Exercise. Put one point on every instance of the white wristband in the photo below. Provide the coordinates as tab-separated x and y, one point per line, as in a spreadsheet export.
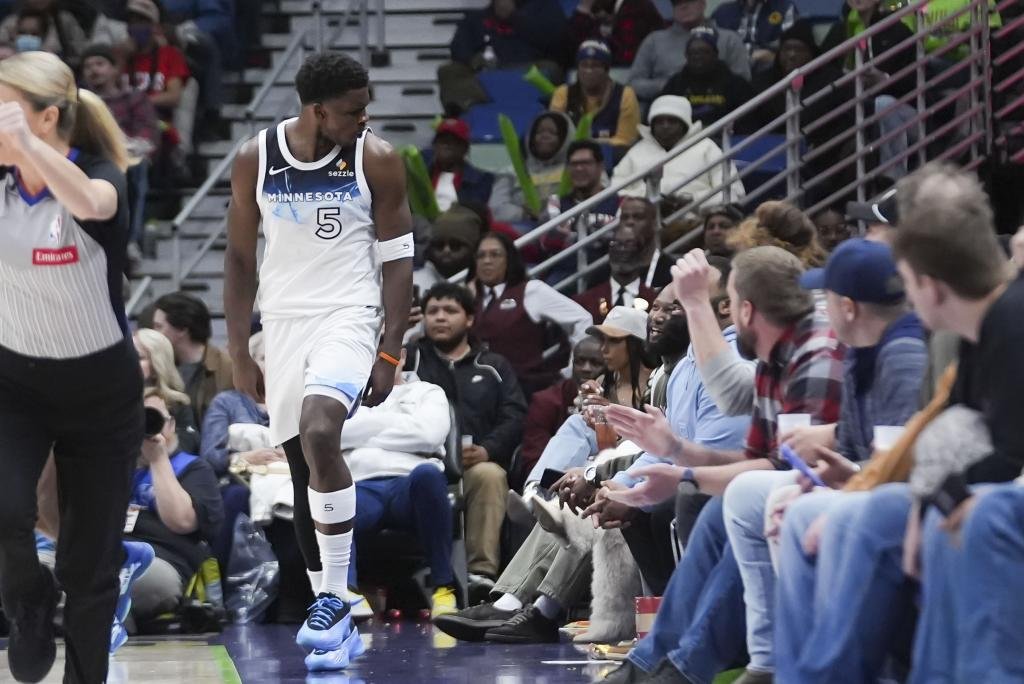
400	247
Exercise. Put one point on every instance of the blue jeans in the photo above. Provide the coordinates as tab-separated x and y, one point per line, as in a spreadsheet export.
970	626
416	502
570	447
137	177
859	593
700	625
743	511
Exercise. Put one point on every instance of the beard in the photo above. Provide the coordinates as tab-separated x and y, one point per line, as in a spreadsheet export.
674	338
746	343
449	345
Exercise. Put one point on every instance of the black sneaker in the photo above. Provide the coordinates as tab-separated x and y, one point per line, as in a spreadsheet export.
470	624
666	673
529	626
627	673
31	649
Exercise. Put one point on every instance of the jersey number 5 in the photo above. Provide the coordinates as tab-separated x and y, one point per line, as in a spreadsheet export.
330	224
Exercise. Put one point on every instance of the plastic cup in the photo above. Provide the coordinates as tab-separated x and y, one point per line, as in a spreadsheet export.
467	441
790	421
886	436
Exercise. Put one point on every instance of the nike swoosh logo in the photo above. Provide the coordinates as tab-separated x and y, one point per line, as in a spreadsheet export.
274	172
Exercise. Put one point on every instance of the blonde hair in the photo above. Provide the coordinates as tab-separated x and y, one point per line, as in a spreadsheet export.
84	121
166	378
780	224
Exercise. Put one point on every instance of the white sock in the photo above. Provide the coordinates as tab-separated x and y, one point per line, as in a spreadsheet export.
508	602
316	578
548	607
335	550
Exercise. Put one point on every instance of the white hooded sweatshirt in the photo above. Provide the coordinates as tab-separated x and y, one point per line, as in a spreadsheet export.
648	150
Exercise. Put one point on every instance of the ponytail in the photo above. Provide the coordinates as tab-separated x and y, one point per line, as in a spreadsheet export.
96	131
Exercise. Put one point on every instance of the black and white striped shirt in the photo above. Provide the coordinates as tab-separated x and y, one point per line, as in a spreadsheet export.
60	277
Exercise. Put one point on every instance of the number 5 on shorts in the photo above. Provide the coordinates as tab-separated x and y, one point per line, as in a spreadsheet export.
330	224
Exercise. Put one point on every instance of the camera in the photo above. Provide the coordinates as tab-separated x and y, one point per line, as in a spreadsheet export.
154	422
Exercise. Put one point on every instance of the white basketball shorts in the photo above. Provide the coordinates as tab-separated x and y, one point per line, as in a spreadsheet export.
329	355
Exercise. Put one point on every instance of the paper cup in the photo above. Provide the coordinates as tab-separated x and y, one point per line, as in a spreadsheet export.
646	611
789	421
467	441
886	436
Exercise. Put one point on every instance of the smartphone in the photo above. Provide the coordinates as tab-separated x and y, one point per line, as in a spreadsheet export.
951	494
799	464
550	477
415	295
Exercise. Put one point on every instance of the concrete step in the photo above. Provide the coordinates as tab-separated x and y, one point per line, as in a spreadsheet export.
300	7
401	30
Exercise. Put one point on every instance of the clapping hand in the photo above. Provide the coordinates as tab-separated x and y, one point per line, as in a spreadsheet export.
15	135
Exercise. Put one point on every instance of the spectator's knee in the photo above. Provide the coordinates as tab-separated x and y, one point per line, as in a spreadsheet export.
487	475
427	478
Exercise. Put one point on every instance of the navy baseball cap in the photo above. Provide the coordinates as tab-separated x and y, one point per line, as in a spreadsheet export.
860	269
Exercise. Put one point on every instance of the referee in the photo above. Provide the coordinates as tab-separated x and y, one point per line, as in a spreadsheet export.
69	375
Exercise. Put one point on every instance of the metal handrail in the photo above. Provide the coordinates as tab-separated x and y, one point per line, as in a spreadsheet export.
791	84
137	294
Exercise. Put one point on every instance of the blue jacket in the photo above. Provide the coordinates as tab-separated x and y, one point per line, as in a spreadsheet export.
213	17
475	185
761	28
882	385
227	409
537	30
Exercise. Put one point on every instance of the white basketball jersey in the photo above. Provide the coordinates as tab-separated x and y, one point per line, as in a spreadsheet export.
321	251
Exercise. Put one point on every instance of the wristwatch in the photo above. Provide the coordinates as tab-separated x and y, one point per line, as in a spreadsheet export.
590	475
688	476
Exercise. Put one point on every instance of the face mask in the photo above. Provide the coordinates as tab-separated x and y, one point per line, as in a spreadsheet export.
28	43
141	35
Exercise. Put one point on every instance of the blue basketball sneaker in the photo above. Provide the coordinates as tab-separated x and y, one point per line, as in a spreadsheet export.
328	625
118	636
338	659
138	556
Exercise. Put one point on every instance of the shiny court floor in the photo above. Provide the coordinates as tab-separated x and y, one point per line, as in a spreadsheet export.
404	652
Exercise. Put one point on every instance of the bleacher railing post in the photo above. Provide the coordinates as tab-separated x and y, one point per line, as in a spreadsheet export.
318	26
985	45
793	136
364	33
858	89
581	256
726	165
922	60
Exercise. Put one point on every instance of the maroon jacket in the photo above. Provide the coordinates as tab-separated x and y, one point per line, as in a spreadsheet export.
548	410
634	20
598	299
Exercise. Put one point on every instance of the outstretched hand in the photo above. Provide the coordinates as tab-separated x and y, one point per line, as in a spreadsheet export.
660	482
648	429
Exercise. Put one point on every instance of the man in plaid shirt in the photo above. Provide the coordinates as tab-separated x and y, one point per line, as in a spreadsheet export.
700	627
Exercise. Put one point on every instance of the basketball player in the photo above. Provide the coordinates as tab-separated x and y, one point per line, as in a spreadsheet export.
331	196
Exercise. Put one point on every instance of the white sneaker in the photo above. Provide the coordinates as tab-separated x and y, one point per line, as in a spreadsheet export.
520	509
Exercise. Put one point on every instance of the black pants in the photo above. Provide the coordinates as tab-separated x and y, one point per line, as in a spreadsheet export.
305	532
89	411
649	540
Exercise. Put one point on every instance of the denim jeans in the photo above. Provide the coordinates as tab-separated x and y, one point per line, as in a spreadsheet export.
417	502
743	511
570	447
836	624
970	626
700	625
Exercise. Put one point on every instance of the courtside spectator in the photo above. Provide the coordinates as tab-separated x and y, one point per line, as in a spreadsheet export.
711	88
490	407
832	226
672	122
621	24
177	508
586	173
663	53
720	223
455	179
393	452
453	237
507	34
156	358
136	116
544	154
759	23
613	106
513	312
205	368
629	263
781	224
549	408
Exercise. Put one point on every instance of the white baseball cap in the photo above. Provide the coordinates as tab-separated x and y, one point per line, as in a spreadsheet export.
622	321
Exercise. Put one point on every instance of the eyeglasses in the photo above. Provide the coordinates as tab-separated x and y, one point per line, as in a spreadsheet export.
452	244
